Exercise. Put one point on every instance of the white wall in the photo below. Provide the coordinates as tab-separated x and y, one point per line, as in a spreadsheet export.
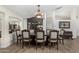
5	40
44	23
53	23
77	26
49	20
73	22
24	23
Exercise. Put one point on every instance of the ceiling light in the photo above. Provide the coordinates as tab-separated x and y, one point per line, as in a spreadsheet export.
38	14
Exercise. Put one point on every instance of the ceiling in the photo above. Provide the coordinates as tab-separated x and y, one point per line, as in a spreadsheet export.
29	10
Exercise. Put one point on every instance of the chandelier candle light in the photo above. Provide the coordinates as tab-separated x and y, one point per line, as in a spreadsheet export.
39	14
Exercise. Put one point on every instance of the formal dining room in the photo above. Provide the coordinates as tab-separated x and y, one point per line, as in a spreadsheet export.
39	28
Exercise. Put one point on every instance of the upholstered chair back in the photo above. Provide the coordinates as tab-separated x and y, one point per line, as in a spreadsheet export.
48	30
61	32
40	34
18	32
53	34
25	34
31	32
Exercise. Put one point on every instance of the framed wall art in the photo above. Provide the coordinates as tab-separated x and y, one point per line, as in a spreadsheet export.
64	24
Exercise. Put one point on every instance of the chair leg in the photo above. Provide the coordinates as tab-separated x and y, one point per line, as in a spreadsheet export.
20	41
36	45
53	44
71	38
22	44
59	41
43	45
50	46
63	41
29	44
57	46
17	41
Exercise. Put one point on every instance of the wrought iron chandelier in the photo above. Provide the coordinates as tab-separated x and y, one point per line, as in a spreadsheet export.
39	14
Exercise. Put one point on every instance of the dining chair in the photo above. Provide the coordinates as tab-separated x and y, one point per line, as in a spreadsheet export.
40	38
26	37
32	32
18	36
53	37
61	35
47	31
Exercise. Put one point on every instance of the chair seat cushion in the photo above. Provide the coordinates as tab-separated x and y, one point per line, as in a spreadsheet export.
59	37
52	40
26	40
40	41
19	37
